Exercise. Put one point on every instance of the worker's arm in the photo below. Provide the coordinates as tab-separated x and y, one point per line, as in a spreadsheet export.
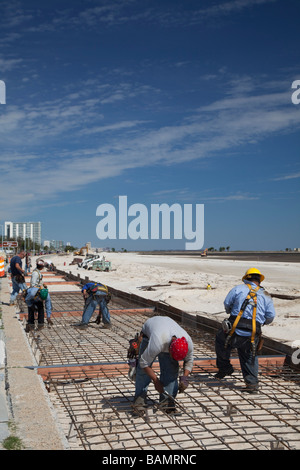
157	383
84	293
19	268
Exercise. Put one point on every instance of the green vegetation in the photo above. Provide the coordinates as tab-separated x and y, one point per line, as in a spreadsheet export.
12	442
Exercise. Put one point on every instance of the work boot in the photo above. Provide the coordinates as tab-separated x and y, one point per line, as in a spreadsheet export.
224	372
106	326
167	405
139	406
251	388
80	325
172	411
29	327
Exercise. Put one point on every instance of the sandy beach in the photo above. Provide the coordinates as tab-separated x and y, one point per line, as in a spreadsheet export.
181	281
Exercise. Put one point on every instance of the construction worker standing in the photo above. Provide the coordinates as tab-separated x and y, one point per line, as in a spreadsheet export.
162	337
249	307
17	276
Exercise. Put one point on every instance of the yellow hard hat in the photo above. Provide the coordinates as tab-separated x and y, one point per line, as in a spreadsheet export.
253	271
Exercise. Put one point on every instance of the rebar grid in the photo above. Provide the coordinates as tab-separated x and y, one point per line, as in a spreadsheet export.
63	343
95	406
213	415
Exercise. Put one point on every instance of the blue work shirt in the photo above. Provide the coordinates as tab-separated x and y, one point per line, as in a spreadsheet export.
265	312
92	284
29	299
15	260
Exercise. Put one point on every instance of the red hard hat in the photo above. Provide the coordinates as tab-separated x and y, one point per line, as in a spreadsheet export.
179	348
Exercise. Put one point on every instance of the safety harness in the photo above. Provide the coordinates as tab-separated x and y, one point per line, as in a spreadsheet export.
97	287
251	298
37	293
40	277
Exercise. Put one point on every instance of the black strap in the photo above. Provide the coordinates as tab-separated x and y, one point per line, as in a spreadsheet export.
245	324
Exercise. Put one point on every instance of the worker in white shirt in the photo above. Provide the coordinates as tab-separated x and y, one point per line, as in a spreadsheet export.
163	338
36	281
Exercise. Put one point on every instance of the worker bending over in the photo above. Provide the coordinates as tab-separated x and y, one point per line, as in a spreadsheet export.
95	294
35	298
36	281
163	338
36	276
250	307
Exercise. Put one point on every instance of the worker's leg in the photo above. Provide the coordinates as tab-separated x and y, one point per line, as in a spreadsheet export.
30	319
104	309
169	369
223	354
41	313
89	309
249	364
142	380
16	286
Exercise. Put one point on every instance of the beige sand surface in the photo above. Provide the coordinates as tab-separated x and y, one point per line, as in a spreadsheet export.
181	281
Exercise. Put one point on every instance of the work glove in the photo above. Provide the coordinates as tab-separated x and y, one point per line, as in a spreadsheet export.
183	383
132	369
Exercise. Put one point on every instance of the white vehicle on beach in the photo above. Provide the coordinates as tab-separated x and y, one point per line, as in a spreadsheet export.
87	263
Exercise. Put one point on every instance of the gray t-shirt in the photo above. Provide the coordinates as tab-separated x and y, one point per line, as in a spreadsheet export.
159	331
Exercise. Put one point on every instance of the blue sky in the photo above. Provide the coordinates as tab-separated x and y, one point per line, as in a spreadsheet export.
175	102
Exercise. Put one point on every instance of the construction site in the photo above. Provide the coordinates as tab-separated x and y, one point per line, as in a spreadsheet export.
83	377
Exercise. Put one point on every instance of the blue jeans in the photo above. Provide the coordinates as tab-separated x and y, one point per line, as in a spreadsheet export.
16	286
169	369
249	364
92	303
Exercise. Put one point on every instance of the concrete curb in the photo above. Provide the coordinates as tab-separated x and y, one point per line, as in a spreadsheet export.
4	407
27	404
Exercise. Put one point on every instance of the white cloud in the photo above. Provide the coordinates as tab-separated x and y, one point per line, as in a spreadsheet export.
287	177
6	64
112	127
102	151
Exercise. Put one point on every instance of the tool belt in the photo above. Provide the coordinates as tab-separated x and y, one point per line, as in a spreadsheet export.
20	279
245	324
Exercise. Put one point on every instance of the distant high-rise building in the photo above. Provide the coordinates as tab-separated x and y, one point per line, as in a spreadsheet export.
57	244
31	230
